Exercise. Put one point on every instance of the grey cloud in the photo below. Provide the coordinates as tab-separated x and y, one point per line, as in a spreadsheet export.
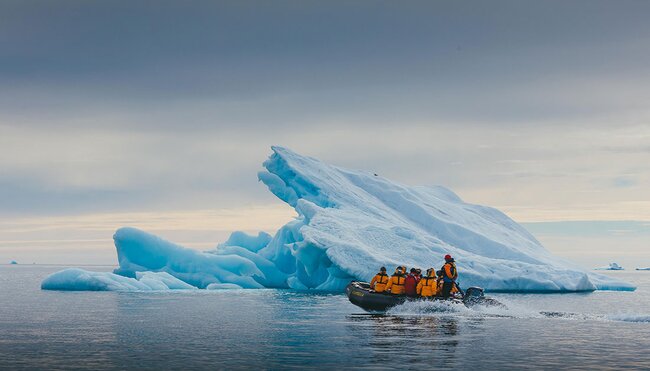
629	149
154	171
242	63
589	228
176	104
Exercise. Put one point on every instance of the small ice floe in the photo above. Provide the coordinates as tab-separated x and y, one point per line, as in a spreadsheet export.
611	267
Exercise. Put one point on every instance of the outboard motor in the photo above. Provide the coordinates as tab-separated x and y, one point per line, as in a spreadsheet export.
473	295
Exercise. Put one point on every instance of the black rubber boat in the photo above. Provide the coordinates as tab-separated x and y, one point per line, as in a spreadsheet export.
362	296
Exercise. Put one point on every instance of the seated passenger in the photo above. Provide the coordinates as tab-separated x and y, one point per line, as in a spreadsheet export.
428	286
440	284
418	274
439	274
396	282
410	283
379	281
454	290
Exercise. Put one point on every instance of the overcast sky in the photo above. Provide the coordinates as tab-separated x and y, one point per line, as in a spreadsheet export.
537	108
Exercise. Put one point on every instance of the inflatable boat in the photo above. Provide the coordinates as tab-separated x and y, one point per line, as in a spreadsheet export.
361	295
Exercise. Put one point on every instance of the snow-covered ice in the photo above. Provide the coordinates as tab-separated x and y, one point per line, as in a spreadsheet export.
349	223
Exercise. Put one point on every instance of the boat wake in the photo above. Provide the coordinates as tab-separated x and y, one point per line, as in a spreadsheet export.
630	318
442	308
510	311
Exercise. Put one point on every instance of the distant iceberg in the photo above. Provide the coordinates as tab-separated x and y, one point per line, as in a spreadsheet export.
643	269
611	267
13	262
349	223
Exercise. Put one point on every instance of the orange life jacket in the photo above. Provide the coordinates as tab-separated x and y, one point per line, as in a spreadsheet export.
379	282
428	286
449	271
454	289
396	284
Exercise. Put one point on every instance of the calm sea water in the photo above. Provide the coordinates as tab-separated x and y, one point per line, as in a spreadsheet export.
277	329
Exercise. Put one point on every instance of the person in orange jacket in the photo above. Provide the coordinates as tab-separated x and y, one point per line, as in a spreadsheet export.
396	282
440	283
428	285
380	280
449	276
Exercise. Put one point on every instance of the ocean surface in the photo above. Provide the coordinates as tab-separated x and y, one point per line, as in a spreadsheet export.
280	329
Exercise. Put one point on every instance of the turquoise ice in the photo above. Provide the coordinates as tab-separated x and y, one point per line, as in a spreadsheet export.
349	223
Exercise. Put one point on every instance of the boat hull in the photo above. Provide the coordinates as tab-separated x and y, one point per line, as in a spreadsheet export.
360	294
369	300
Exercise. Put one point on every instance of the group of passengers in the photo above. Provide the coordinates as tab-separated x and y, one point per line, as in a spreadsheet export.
440	283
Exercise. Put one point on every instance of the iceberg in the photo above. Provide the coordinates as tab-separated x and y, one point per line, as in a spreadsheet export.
610	267
74	279
643	269
349	223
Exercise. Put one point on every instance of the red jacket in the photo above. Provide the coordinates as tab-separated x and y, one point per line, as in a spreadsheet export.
410	284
